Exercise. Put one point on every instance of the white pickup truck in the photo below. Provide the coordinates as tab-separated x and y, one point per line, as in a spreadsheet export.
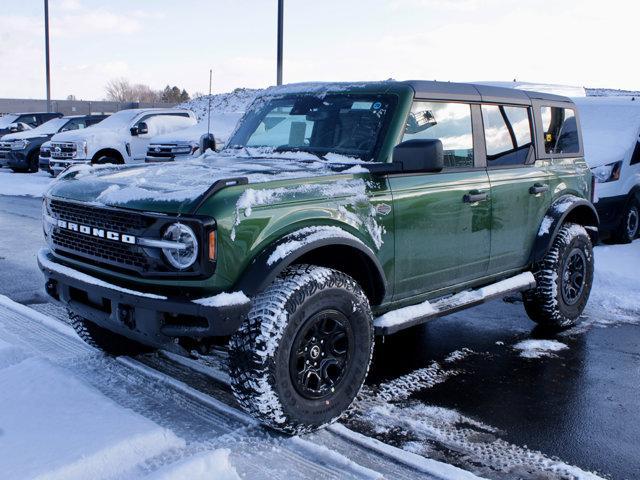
121	138
193	141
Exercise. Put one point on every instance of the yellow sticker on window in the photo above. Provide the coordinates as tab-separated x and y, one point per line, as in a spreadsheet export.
548	137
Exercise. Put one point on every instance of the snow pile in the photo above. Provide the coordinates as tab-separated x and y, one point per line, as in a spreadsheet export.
539	348
20	184
610	128
223	300
205	466
236	101
616	286
55	427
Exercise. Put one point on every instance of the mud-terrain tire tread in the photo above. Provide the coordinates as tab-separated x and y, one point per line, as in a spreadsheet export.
544	304
253	348
103	339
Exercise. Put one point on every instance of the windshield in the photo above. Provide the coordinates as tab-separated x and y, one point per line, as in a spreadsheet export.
7	120
50	127
342	124
119	119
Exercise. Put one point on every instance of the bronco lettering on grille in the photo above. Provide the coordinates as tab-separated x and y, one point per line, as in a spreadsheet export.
97	232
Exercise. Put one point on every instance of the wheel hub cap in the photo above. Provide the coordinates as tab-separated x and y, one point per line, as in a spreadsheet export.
574	276
632	223
320	354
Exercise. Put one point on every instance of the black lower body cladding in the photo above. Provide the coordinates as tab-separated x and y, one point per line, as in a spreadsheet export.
150	319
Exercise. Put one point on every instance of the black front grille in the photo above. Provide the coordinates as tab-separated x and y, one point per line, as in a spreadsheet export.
119	221
76	244
163	151
117	255
127	256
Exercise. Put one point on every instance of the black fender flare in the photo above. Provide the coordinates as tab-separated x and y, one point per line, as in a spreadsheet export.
567	208
268	264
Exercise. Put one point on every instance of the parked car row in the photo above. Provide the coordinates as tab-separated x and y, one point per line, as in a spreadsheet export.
52	143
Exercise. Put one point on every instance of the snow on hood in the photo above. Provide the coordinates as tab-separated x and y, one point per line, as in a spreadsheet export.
188	180
610	128
91	134
221	126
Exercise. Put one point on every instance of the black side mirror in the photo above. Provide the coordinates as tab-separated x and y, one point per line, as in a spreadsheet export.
143	128
16	127
134	131
419	155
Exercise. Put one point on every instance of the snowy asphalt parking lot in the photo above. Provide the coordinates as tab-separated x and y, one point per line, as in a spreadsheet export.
480	391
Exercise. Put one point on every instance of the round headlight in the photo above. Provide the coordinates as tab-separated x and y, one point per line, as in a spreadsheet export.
185	252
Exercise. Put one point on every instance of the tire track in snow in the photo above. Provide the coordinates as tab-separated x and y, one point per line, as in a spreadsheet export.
205	422
387	413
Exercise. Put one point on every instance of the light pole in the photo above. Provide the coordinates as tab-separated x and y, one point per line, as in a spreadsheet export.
46	46
280	28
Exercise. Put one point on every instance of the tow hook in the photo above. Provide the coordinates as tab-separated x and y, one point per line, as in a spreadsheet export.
126	316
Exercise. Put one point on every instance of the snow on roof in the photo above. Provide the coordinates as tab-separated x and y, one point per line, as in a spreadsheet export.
564	90
610	128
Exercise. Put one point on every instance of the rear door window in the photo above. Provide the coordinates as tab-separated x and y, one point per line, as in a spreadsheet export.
448	122
560	130
30	120
507	133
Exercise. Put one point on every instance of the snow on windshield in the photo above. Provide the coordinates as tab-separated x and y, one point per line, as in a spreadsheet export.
119	119
316	118
52	126
162	124
6	120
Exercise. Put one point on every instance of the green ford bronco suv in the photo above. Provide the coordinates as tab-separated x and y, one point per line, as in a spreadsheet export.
336	212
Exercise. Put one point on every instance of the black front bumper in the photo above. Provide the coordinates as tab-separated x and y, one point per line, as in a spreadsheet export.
150	319
17	160
610	211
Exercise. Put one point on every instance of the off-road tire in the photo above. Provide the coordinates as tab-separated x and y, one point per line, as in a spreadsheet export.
546	304
629	226
260	351
103	339
33	162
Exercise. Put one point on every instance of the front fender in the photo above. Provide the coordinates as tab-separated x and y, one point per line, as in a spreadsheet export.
272	260
567	208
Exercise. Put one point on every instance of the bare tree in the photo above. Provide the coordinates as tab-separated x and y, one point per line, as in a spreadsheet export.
119	90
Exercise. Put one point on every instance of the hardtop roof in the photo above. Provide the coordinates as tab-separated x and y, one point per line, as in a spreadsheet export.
427	89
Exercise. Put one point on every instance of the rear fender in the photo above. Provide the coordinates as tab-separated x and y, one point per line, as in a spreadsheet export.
567	208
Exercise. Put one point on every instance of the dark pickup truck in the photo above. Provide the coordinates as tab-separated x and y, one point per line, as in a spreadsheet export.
22	149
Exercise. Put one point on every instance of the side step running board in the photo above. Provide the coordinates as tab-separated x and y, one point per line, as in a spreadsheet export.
406	317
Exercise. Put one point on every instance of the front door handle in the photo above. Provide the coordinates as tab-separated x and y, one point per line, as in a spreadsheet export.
475	196
538	188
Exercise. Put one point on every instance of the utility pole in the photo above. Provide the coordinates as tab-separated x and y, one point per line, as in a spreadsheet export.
280	28
46	46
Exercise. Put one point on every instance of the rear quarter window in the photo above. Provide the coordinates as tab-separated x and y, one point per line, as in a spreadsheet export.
560	130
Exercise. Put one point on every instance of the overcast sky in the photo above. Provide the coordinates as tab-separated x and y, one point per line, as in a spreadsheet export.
158	42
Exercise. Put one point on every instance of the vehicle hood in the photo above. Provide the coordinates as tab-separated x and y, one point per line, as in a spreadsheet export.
610	128
178	187
89	135
27	134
